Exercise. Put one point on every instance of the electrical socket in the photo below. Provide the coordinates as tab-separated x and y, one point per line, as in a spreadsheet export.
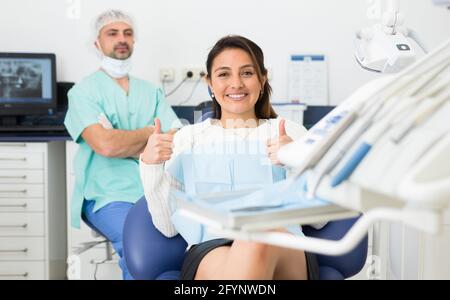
167	74
197	73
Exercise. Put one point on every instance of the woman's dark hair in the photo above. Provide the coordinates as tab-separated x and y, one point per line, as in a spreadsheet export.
263	108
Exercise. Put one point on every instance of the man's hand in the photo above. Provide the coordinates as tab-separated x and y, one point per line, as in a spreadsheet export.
159	146
274	144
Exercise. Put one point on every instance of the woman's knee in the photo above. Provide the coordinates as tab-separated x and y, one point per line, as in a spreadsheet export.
255	251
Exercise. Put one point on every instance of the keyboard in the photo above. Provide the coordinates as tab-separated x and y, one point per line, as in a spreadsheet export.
37	128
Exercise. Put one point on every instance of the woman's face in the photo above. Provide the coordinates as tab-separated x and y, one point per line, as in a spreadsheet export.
235	84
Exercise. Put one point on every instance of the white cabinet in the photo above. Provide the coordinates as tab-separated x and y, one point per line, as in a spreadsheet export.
32	211
92	263
414	255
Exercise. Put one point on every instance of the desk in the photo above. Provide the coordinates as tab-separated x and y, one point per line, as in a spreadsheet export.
27	138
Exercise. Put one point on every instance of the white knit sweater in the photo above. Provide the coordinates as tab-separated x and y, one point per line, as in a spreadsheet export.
157	182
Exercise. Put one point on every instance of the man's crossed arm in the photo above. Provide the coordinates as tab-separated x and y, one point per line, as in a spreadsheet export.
116	143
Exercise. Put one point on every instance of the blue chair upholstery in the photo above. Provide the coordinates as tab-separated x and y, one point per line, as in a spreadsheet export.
342	266
209	114
206	109
150	255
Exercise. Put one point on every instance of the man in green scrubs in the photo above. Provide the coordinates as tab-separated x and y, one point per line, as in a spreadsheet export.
110	116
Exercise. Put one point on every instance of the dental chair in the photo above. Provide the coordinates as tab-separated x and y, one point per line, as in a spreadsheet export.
149	255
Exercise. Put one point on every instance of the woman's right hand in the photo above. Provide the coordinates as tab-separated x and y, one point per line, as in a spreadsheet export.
159	146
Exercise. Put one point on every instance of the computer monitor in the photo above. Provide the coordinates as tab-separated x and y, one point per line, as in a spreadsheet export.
27	85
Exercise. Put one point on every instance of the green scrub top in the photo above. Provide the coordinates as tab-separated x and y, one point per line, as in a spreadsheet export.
99	178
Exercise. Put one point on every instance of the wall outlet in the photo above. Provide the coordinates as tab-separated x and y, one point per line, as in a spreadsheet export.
197	73
167	75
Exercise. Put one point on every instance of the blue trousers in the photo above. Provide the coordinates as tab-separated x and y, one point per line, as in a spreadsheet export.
109	221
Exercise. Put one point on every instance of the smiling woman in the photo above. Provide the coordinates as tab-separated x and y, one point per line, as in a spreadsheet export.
238	79
235	84
235	151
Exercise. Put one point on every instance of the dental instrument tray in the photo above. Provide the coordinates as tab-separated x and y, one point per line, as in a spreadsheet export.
280	204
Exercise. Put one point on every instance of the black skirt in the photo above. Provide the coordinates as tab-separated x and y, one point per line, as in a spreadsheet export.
197	252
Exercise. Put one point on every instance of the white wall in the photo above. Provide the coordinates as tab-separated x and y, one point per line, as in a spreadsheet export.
179	33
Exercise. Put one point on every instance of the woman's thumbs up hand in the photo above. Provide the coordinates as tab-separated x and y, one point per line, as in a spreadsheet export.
159	146
274	144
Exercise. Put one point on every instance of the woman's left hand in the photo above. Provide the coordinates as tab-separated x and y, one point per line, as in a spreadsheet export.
274	144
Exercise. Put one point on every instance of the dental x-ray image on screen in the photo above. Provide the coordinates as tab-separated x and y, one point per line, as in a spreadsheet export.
27	83
20	79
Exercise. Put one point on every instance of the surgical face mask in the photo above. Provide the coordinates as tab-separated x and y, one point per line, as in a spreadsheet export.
116	68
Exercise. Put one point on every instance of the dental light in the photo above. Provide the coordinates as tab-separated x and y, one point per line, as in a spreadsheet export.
386	46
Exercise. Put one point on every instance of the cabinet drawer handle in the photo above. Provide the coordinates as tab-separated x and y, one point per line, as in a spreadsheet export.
14	205
19	192
14	251
15	275
13	159
14	226
14	177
